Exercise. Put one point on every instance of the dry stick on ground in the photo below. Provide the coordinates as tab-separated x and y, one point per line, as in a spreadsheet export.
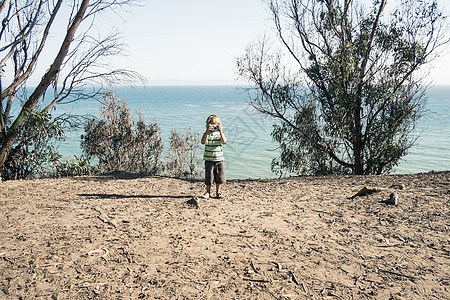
294	279
256	280
365	191
7	259
399	274
304	288
253	266
105	218
357	279
321	211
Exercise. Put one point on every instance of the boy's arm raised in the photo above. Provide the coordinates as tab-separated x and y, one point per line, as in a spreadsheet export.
205	135
222	136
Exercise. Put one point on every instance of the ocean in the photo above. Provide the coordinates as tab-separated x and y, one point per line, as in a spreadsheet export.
250	149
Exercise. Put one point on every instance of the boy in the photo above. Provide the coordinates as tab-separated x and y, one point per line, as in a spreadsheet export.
213	139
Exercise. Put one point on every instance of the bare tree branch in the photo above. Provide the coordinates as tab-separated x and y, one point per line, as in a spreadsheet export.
77	67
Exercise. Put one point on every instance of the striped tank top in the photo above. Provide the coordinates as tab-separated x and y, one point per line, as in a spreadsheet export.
213	147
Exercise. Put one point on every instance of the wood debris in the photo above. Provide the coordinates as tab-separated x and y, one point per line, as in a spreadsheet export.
105	218
365	191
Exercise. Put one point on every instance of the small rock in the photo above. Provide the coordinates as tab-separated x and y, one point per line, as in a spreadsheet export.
393	199
193	202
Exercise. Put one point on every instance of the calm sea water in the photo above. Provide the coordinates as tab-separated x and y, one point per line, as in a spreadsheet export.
250	150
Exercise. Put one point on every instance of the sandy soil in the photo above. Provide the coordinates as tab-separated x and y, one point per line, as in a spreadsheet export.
122	237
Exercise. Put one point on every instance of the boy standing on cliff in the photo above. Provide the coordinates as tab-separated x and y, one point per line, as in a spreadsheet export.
213	139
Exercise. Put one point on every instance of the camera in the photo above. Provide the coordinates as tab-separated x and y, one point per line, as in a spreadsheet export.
214	127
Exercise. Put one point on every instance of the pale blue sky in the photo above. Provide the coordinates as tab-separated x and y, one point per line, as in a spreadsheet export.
191	42
197	41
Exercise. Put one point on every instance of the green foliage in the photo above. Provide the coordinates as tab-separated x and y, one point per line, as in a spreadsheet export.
121	144
351	105
300	145
33	154
77	166
183	155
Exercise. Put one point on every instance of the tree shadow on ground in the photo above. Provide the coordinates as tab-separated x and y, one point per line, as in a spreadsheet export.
129	176
119	196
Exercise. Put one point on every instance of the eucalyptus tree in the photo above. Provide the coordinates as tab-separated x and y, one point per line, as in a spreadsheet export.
346	83
64	35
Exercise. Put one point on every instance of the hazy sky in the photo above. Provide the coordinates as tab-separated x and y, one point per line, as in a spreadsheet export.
197	41
192	41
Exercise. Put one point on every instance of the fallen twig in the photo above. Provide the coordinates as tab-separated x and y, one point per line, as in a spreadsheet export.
253	266
357	279
303	246
399	274
365	191
240	233
305	289
256	280
321	211
390	245
294	279
3	255
105	218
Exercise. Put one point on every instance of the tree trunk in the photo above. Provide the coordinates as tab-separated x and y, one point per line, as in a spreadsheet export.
357	142
358	164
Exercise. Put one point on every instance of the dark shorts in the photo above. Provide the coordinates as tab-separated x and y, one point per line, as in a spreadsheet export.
214	172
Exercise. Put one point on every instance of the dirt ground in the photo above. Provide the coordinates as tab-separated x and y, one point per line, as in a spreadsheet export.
125	237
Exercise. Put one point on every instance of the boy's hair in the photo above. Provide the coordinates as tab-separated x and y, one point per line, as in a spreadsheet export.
213	119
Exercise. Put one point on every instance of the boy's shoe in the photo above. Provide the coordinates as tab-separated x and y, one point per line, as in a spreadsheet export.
219	196
206	195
